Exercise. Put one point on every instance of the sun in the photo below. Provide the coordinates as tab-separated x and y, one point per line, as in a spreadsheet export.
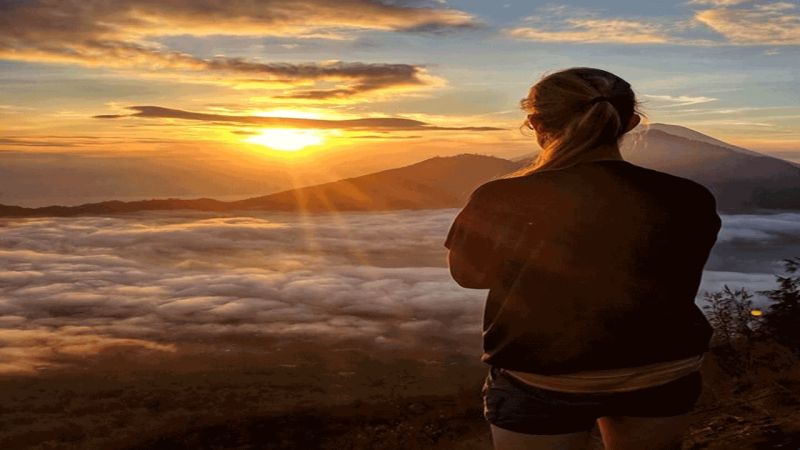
287	139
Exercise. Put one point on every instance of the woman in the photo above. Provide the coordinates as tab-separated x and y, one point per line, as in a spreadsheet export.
592	265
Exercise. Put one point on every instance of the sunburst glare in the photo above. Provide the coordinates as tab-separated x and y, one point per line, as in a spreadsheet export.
287	139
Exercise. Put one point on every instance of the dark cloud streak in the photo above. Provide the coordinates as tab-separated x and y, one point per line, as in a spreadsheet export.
381	123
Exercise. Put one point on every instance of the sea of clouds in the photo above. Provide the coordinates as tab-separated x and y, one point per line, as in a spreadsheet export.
73	287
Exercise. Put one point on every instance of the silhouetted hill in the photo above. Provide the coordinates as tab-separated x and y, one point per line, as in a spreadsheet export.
115	207
742	180
440	182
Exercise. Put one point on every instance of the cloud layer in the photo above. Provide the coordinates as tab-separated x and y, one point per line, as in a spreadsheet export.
76	287
122	34
594	30
732	22
772	23
751	228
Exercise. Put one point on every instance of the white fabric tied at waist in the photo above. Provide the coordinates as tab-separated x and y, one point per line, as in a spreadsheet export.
612	380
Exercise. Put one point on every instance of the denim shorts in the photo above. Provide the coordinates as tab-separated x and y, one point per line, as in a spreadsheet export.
514	405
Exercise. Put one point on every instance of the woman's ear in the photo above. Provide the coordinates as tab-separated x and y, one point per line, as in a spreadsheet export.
635	119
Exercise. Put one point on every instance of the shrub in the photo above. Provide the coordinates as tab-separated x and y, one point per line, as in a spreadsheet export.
747	339
782	321
736	325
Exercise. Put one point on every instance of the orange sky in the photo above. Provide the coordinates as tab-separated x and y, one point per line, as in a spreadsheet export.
330	89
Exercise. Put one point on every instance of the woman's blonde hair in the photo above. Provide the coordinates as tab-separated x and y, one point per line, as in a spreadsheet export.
574	111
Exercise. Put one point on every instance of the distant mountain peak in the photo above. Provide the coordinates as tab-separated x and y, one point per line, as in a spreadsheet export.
688	133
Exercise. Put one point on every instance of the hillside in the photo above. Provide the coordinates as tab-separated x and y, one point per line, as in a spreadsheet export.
440	182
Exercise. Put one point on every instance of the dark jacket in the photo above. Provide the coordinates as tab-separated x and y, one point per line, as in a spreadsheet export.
595	266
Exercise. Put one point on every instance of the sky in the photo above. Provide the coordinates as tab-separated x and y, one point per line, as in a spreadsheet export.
356	85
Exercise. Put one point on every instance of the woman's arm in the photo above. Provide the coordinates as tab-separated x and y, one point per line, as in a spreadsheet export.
475	255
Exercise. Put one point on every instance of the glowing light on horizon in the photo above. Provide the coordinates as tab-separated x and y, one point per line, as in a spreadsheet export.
287	139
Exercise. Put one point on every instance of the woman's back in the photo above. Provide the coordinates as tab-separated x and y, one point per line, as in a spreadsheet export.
594	266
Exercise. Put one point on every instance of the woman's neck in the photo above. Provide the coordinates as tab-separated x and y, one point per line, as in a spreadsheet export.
610	151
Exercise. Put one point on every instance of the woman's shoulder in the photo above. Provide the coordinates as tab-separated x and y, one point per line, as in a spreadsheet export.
686	185
510	190
497	188
687	192
507	189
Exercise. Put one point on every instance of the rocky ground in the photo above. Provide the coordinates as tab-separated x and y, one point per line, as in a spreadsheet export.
374	404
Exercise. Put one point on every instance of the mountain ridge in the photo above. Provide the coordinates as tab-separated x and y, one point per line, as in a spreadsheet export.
742	181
